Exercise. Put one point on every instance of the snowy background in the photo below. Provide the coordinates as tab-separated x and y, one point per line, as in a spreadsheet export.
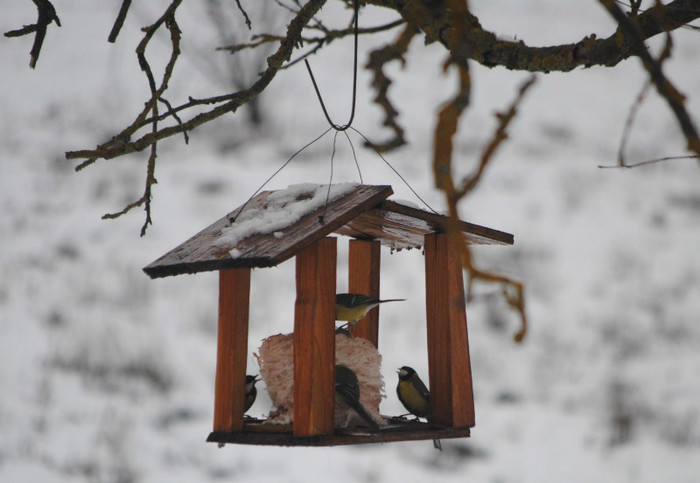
108	376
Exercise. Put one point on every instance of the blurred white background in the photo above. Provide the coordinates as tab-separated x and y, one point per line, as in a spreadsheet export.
108	376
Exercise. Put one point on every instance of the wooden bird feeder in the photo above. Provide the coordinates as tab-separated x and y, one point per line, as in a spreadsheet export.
363	213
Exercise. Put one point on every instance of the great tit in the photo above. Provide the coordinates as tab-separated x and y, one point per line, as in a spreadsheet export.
412	393
352	307
414	396
250	392
347	392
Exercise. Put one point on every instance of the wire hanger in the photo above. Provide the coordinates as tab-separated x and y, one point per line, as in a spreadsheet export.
344	127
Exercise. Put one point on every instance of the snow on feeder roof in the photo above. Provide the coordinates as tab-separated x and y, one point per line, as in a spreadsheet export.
277	225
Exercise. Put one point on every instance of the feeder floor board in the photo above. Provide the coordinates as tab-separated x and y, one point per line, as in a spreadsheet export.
399	429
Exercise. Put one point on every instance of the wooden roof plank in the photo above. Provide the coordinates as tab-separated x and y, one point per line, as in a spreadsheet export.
363	213
205	251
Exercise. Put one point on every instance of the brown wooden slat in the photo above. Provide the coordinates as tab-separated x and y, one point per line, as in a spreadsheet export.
314	339
364	259
476	234
451	392
202	253
232	349
399	226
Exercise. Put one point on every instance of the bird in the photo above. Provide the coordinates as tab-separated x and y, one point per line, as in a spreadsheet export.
347	392
250	392
414	396
412	393
351	307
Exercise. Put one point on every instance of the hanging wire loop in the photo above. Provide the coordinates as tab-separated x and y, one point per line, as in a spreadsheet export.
335	126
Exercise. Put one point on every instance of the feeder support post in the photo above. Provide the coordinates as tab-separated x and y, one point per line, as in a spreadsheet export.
451	391
364	260
232	349
314	339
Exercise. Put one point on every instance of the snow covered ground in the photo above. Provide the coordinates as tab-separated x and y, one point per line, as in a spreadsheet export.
107	376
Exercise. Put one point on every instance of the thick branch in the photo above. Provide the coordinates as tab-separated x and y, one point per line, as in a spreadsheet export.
486	48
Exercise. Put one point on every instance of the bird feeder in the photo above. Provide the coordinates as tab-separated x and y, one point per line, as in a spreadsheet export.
303	218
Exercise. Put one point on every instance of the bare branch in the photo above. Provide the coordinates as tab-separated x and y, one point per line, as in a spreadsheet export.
635	36
121	144
245	15
630	121
499	136
380	82
119	22
648	162
448	119
46	15
476	43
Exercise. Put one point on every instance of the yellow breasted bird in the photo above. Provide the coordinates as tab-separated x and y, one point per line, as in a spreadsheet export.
347	392
412	393
414	396
351	307
250	392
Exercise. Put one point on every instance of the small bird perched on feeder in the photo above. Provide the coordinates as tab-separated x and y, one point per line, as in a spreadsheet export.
351	307
347	392
414	396
250	392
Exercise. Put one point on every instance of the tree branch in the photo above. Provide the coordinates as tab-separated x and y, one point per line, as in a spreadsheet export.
634	33
119	22
485	47
46	15
120	144
380	82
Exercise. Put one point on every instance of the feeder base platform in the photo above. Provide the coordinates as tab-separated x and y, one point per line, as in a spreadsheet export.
256	431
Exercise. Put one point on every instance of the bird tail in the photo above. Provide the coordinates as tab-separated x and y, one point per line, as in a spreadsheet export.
359	409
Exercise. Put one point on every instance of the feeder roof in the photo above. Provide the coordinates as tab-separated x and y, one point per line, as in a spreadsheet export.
276	225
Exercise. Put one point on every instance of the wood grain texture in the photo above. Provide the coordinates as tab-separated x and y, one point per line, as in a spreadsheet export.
403	227
276	435
364	260
451	391
232	349
205	252
364	213
314	339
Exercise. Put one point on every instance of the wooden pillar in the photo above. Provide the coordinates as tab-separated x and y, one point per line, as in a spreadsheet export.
232	349
364	259
451	392
314	339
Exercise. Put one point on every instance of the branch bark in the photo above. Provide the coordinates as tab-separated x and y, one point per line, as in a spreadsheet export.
46	15
484	47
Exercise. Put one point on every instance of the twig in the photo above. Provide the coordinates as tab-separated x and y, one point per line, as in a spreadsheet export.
665	88
648	162
629	122
380	82
499	136
122	144
119	22
513	290
245	15
46	15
